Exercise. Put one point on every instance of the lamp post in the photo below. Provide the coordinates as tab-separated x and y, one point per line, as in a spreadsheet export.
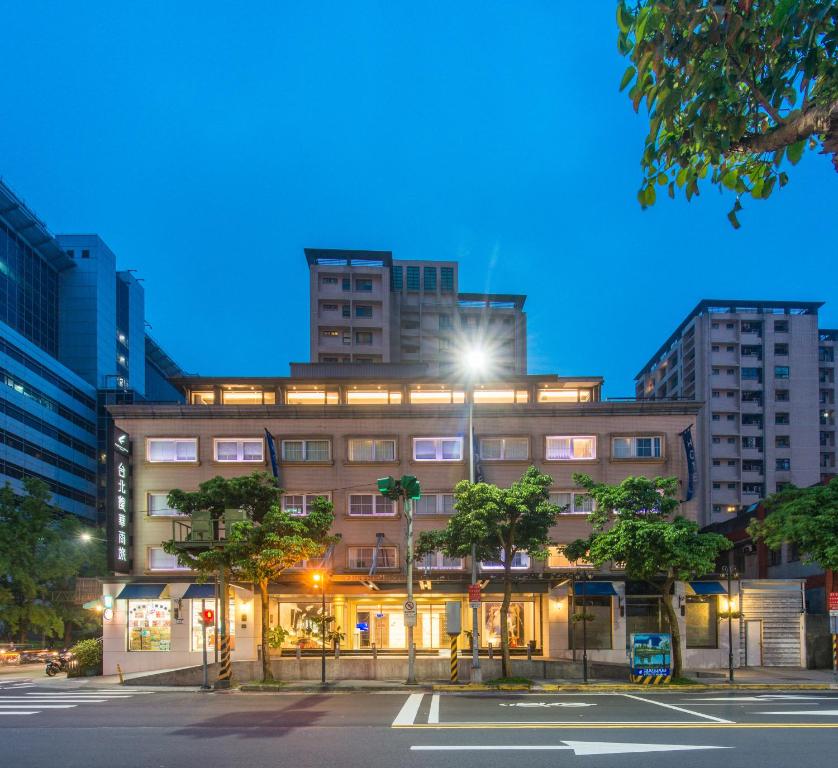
586	577
319	580
730	572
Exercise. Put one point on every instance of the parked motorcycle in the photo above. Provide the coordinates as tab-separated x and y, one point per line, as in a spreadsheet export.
61	664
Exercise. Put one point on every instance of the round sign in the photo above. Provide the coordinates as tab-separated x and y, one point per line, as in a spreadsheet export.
409	605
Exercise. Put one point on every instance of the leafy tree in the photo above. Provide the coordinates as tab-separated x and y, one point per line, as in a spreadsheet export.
40	555
807	517
258	549
501	522
631	524
732	88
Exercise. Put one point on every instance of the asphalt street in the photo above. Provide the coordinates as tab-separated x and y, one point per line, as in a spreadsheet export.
78	723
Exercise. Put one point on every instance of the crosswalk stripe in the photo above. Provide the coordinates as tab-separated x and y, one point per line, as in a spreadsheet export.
40	706
18	713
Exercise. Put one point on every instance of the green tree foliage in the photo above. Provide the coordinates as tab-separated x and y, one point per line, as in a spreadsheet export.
732	88
260	548
807	517
40	555
501	522
634	523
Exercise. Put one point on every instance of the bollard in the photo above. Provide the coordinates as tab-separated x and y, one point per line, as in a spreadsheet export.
529	652
299	653
491	651
454	671
119	672
337	652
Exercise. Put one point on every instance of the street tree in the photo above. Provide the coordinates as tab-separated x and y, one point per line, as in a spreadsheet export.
500	522
635	523
40	556
733	88
807	517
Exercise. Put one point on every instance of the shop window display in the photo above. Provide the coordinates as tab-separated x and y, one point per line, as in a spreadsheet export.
197	631
521	624
149	625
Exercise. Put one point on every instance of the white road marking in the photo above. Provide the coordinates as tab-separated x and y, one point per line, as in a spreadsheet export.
37	700
677	709
578	747
408	712
433	714
815	712
18	713
39	706
766	697
547	704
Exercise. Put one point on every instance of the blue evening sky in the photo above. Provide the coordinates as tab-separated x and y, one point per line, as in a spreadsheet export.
208	143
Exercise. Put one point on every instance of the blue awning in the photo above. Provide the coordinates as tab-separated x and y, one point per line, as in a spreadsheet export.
594	588
707	588
200	592
141	592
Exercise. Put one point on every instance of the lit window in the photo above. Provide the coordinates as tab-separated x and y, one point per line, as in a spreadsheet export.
203	398
571	448
636	447
439	561
300	503
438	448
306	450
158	505
242	397
435	504
504	448
373	397
564	395
361	558
370	505
149	625
372	449
310	397
520	562
558	559
172	450
158	560
573	502
239	450
436	397
781	371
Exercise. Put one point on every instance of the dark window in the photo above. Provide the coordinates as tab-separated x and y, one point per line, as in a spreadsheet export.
752	374
446	279
444	322
781	326
396	279
782	441
781	372
413	278
430	278
774	557
346	310
85	253
363	310
781	349
363	284
781	395
783	465
792	553
826	354
346	284
781	418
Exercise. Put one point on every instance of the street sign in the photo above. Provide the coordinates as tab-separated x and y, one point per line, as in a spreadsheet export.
474	595
833	601
409	613
651	656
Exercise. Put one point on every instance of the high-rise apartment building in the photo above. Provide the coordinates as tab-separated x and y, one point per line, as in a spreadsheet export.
72	340
761	370
367	307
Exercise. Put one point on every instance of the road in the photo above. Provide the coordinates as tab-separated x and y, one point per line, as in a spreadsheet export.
77	723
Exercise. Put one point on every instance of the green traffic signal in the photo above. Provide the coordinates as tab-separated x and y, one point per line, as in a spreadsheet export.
386	485
410	485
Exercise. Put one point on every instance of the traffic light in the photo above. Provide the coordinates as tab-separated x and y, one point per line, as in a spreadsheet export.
208	617
389	487
410	486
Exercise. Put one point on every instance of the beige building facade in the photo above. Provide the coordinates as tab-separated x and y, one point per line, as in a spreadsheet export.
334	438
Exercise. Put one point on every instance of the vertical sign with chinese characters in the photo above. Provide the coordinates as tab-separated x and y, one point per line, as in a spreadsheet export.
119	502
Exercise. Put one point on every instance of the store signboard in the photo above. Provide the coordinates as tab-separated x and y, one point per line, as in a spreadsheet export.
119	501
833	601
651	654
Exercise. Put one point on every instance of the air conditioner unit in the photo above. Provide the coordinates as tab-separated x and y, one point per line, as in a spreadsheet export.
749	549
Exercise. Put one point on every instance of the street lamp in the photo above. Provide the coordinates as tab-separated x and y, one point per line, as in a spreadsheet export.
586	577
730	612
86	537
318	579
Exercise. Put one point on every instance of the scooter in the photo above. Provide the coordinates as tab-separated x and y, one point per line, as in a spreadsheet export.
61	664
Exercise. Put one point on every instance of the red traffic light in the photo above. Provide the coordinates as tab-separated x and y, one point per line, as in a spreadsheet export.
208	617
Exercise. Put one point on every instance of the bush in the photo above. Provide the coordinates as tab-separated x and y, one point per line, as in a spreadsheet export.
88	654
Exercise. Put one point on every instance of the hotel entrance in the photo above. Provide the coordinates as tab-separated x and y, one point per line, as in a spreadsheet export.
383	626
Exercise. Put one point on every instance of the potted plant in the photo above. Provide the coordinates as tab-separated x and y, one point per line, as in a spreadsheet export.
335	637
276	637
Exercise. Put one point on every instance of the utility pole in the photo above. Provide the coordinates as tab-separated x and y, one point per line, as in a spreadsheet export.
411	648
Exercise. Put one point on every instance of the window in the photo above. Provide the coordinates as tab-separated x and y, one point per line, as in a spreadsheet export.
781	418
435	504
430	278
445	322
714	348
570	448
239	450
172	450
372	449
792	553
300	503
782	441
730	348
731	441
481	396
363	284
363	337
328	281
330	307
346	310
329	333
716	371
781	395
438	448
310	397
158	560
716	417
751	489
783	465
361	558
504	448
306	450
363	310
702	621
203	398
729	326
346	283
752	420
520	562
436	397
370	504
781	372
413	278
781	350
752	374
158	505
781	326
574	502
373	397
446	279
149	625
558	559
396	278
752	443
716	393
717	440
636	447
439	561
197	627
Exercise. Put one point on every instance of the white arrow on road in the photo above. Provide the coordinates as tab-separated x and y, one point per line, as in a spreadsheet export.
578	747
547	704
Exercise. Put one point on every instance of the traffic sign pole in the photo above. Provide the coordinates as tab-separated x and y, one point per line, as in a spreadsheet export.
411	650
205	686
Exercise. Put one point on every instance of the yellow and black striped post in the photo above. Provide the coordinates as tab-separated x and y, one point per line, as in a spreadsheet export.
225	667
835	655
651	679
454	671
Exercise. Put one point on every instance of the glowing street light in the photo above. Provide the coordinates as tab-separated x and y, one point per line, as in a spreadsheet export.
318	580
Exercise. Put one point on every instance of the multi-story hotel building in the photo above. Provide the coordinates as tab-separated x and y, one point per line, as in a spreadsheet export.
334	437
766	378
367	307
72	339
